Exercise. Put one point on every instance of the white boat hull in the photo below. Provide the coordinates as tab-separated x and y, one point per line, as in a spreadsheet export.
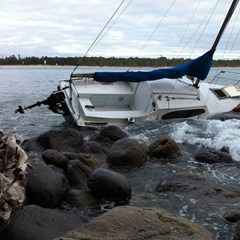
92	103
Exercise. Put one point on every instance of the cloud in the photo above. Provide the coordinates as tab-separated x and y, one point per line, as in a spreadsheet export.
68	28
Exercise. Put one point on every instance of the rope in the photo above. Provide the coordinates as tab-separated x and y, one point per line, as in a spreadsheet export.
98	35
234	25
113	23
157	26
225	23
183	35
207	16
210	16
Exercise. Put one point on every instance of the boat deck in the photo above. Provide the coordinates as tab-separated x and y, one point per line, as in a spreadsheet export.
112	112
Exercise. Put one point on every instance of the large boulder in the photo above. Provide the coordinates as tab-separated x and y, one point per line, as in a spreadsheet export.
109	184
78	173
165	147
127	152
35	223
61	140
213	156
128	222
112	133
53	157
45	186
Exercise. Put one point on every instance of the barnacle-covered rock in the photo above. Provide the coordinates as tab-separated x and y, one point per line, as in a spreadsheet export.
13	165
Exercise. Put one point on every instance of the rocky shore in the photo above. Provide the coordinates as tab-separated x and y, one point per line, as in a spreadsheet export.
81	185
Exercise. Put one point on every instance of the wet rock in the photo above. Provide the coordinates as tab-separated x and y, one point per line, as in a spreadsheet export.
237	231
164	146
33	222
128	222
65	140
212	156
127	152
93	147
45	186
71	155
81	198
109	184
226	116
53	157
232	216
89	160
201	187
113	133
78	173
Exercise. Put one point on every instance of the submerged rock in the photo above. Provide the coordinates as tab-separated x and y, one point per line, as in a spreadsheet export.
81	199
226	116
213	156
128	222
232	216
165	147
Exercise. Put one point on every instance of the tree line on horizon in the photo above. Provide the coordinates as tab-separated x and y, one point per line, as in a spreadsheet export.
110	61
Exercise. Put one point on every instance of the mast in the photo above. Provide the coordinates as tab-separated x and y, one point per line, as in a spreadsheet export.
221	31
225	23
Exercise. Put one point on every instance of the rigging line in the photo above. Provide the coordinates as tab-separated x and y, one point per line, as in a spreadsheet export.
112	24
205	26
209	13
225	23
181	40
234	25
99	34
157	26
228	42
234	42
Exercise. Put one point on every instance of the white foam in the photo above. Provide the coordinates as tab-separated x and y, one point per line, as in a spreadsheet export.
217	134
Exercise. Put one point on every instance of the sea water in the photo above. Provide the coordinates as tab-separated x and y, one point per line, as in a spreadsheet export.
25	85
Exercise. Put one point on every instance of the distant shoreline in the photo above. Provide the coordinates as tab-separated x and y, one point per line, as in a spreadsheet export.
46	65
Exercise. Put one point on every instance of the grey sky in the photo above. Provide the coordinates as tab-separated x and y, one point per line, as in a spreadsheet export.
69	27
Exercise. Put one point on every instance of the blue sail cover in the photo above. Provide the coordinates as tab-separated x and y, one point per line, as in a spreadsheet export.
198	68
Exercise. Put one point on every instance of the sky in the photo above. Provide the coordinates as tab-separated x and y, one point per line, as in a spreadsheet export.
140	28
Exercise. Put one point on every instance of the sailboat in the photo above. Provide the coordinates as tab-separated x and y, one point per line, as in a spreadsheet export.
102	98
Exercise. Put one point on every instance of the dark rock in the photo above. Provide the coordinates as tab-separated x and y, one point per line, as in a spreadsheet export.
53	157
36	223
226	116
200	186
128	222
232	216
89	160
113	133
93	147
165	147
81	198
65	140
212	156
109	184
45	186
127	152
78	173
71	155
237	232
